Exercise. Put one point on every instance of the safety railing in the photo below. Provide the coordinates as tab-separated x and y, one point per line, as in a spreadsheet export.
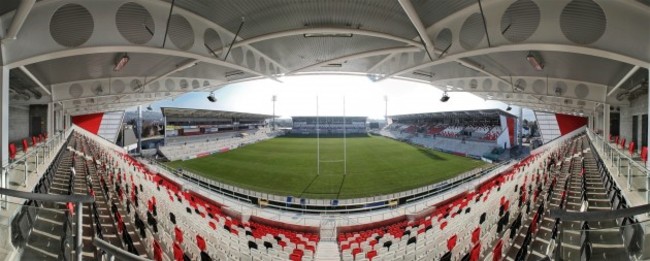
624	166
112	252
37	157
28	221
608	234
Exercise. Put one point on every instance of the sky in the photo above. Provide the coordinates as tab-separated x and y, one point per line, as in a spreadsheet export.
298	96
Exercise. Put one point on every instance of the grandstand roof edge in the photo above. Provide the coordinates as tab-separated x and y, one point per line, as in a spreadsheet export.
245	114
499	111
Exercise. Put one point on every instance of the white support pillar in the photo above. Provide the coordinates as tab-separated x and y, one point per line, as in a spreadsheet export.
4	122
647	136
50	119
520	127
606	122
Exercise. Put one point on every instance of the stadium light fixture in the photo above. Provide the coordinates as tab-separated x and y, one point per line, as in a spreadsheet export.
445	97
120	62
508	108
314	35
535	60
211	97
149	108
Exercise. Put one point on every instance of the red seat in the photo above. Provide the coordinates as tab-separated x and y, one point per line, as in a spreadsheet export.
34	141
476	235
451	242
25	146
622	144
200	242
157	251
630	148
496	253
12	151
178	234
644	153
371	254
178	252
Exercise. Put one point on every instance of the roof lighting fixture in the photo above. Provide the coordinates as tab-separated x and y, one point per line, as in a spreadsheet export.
508	108
423	74
313	35
120	62
234	73
535	60
445	97
333	65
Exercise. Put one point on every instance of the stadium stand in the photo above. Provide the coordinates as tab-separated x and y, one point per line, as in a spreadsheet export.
197	146
173	223
445	232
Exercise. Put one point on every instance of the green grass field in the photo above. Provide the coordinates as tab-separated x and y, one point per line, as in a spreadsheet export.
288	166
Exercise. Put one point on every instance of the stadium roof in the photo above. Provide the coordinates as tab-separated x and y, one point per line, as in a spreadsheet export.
93	56
199	113
447	114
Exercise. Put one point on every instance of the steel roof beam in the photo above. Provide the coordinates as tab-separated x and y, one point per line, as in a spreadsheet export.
19	19
627	76
408	8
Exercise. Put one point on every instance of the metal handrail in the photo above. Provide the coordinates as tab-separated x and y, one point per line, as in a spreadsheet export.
47	197
599	214
116	253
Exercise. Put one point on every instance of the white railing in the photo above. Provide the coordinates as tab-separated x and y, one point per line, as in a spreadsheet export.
623	165
37	156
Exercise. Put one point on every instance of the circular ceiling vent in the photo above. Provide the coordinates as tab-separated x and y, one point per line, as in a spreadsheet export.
502	86
261	63
473	84
520	85
418	57
271	68
520	20
195	84
180	32
472	32
581	91
135	23
71	25
76	90
97	88
539	87
118	86
250	60
154	86
136	85
183	84
403	60
487	84
559	89
460	84
237	55
583	21
170	84
206	83
443	40
212	41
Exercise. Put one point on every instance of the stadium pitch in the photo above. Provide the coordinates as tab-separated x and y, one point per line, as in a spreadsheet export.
288	166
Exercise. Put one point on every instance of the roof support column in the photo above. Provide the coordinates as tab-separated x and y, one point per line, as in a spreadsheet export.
138	129
50	119
648	137
605	123
4	122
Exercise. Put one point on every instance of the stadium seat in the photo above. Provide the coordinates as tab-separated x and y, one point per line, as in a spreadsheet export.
12	151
